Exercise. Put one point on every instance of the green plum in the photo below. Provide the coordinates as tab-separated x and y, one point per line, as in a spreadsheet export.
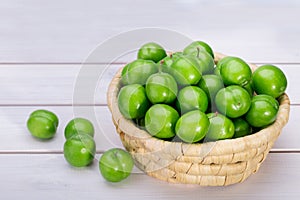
233	101
263	111
186	70
219	64
241	128
132	101
220	127
79	150
234	71
165	63
192	126
151	51
160	121
198	46
205	61
270	80
211	84
79	125
42	124
161	88
138	71
191	98
115	165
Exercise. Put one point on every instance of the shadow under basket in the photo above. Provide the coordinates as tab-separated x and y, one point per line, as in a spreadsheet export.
219	163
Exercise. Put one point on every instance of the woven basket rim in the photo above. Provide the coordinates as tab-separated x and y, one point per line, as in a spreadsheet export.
220	147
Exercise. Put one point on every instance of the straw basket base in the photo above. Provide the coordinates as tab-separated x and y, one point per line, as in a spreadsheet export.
219	163
196	170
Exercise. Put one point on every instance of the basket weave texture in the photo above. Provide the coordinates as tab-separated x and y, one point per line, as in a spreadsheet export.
217	163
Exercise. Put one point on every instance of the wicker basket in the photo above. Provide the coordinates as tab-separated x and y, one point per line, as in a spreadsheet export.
217	163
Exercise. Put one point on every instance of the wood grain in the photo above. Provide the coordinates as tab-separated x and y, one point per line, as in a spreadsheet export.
50	177
56	31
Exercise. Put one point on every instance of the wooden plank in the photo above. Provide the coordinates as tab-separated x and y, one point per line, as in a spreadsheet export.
15	137
290	133
50	177
68	31
55	84
35	84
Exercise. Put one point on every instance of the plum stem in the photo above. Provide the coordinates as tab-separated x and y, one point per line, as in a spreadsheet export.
216	113
160	66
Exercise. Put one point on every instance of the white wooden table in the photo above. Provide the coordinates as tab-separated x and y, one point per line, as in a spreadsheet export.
42	47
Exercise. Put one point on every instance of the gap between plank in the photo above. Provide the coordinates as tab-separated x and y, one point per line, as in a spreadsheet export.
62	63
70	104
53	105
120	63
17	152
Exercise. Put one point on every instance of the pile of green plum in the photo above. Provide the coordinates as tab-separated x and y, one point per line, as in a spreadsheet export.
80	148
185	96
